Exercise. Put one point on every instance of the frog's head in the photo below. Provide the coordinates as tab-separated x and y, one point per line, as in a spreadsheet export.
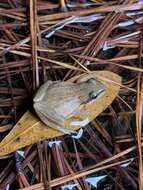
97	89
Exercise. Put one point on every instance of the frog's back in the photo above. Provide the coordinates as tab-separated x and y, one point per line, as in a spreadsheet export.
63	99
59	92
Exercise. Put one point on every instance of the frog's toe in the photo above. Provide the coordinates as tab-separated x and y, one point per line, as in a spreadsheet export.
67	131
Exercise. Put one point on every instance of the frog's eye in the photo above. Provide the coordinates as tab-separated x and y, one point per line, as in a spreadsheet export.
95	94
91	81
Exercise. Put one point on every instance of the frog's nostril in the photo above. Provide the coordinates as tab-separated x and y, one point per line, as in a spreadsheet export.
92	81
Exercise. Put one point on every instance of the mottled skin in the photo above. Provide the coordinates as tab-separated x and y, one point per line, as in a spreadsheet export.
57	101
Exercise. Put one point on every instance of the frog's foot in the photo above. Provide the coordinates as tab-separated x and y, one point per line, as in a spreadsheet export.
80	123
66	131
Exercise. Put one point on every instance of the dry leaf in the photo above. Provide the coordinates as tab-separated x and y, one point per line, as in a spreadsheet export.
30	130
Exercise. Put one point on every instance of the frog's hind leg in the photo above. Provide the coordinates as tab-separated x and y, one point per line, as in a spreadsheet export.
50	123
41	91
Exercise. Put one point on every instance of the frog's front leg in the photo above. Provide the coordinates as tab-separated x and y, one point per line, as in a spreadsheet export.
50	120
80	120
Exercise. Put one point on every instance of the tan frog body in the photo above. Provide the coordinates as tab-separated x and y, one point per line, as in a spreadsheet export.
55	102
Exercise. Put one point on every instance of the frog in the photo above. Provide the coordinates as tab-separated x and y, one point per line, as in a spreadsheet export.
57	101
